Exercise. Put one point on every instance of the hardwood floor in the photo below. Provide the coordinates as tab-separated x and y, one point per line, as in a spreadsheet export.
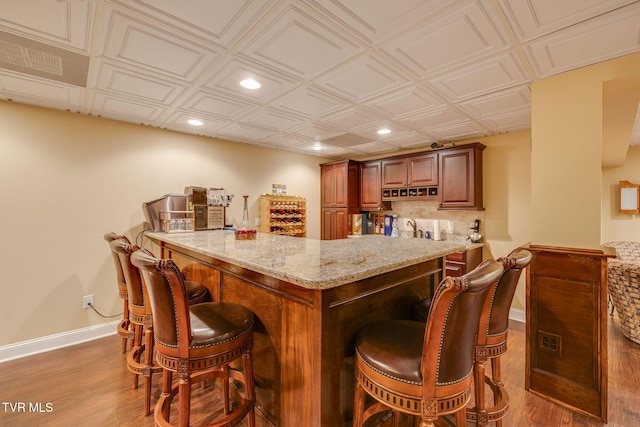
89	385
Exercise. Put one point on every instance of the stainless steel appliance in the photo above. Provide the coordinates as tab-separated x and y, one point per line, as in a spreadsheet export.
166	203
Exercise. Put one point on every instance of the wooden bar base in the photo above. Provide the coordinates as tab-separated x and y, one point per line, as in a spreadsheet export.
566	346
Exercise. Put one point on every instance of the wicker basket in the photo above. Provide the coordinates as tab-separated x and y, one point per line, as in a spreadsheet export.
624	286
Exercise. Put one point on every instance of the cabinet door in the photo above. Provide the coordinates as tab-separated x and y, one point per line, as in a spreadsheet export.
394	173
327	225
370	189
328	183
335	224
341	223
461	178
422	170
341	175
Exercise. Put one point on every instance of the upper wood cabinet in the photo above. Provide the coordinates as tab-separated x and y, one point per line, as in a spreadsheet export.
411	171
422	170
340	183
370	181
461	177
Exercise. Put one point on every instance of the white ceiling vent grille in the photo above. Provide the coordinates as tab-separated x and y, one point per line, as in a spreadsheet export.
36	60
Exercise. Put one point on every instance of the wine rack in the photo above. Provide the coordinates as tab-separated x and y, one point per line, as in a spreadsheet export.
282	214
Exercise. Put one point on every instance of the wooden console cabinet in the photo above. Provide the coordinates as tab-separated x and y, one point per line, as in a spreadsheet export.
566	344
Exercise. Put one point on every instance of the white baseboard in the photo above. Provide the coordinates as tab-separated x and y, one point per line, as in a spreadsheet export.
517	315
52	342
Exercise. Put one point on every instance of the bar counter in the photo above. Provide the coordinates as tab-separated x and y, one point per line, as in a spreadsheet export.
310	298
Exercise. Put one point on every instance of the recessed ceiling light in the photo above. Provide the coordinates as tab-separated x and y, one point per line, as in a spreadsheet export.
250	84
317	146
384	131
195	122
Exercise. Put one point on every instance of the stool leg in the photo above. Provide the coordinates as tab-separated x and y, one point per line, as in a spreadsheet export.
224	377
125	322
167	377
247	365
148	371
496	373
358	405
137	343
184	394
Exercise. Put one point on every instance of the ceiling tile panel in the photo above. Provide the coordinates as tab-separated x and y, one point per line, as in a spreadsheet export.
376	147
510	121
515	98
454	39
376	20
65	23
443	117
404	102
410	139
299	44
309	102
177	120
535	18
218	21
245	133
219	105
363	78
601	39
314	131
457	131
273	119
141	45
352	118
228	76
126	109
39	91
499	72
128	82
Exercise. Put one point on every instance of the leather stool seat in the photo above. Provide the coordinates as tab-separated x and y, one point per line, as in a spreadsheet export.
378	343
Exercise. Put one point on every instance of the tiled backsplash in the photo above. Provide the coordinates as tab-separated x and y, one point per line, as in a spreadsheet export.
424	212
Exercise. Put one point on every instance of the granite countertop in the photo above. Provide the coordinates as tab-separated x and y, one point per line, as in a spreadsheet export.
310	263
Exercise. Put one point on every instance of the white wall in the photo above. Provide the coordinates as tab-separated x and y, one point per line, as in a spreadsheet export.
67	179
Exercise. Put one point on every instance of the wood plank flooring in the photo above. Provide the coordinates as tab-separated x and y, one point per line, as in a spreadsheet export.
89	385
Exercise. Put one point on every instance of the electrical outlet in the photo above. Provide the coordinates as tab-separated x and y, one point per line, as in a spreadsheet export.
86	300
549	342
257	222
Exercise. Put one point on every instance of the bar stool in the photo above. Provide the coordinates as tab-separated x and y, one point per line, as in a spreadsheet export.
198	342
424	369
140	357
492	341
124	327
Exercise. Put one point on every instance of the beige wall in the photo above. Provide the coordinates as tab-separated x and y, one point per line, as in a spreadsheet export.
567	157
617	226
67	179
